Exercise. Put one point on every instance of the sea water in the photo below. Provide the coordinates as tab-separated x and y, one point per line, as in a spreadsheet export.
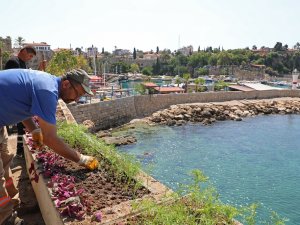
256	160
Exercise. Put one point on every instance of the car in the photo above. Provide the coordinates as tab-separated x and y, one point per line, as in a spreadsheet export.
82	100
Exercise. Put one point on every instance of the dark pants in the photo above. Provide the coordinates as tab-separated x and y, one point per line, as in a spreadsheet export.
21	132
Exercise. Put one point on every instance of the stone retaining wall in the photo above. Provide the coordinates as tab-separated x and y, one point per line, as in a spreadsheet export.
105	114
117	112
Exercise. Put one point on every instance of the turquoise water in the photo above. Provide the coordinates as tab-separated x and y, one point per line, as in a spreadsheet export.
255	160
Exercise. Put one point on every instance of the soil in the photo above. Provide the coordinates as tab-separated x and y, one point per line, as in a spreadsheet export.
102	188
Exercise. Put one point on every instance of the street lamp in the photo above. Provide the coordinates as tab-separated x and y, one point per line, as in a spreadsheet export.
295	75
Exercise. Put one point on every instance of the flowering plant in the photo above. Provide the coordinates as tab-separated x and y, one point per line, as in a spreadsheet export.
69	201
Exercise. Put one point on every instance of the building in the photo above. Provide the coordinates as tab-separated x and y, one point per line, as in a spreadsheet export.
186	50
92	51
6	44
121	52
39	47
155	89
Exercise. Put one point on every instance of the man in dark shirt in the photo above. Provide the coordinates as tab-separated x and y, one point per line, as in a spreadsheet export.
25	55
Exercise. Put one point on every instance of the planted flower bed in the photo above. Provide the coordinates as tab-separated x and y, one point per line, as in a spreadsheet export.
81	196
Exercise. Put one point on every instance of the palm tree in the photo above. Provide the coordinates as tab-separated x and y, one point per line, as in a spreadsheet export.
198	81
186	77
177	80
1	46
19	42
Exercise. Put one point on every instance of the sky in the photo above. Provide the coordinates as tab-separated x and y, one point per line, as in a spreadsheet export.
146	24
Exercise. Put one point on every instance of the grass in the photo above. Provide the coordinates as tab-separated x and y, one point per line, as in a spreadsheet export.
200	205
124	166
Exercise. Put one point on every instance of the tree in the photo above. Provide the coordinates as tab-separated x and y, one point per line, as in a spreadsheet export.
120	67
19	42
209	49
198	81
102	51
203	71
4	56
278	47
134	53
254	47
225	58
156	67
213	60
64	61
177	80
199	48
134	68
165	56
140	88
157	50
297	46
220	85
147	70
186	78
78	50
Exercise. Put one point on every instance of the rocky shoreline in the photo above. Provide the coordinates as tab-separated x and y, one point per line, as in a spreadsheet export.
205	113
208	113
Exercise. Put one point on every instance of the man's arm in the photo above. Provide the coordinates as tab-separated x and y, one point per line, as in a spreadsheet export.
29	124
55	143
50	138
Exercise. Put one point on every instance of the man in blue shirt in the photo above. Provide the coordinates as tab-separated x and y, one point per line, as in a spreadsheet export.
27	93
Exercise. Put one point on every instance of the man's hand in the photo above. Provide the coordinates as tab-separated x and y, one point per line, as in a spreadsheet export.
37	138
88	162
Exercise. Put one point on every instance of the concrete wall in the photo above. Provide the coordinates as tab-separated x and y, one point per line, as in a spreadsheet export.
117	112
105	114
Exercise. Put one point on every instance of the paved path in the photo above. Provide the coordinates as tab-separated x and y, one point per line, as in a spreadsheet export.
29	209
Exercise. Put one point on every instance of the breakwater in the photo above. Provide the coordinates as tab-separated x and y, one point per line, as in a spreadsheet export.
120	111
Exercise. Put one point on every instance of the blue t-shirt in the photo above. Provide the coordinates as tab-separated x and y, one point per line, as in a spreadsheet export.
26	93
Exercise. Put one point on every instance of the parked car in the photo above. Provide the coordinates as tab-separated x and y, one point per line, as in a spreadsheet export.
82	100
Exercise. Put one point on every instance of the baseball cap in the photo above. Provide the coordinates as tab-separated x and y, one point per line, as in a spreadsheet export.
81	77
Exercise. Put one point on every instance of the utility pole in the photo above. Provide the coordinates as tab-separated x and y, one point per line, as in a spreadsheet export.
177	55
94	60
0	58
104	68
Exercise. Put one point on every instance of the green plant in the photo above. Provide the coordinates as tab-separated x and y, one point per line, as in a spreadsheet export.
220	85
140	88
196	203
64	61
198	81
122	165
148	70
